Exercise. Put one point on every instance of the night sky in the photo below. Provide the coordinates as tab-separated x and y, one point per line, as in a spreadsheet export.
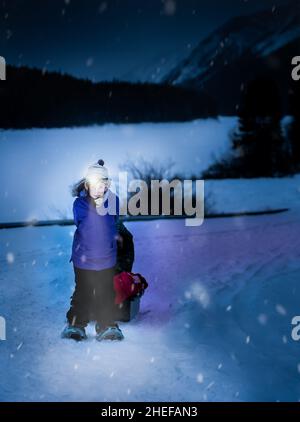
102	40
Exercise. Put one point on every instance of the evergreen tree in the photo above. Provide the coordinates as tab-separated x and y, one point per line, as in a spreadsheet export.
258	142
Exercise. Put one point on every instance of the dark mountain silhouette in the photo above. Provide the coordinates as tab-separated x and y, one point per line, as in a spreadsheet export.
245	48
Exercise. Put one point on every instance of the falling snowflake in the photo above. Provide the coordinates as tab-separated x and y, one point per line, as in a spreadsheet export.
198	293
280	309
262	319
210	385
20	345
96	357
169	7
89	62
200	378
10	257
102	7
233	357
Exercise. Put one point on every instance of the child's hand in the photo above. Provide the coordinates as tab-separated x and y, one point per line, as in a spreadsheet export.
99	201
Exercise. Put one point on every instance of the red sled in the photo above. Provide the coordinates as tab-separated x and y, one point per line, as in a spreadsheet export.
129	288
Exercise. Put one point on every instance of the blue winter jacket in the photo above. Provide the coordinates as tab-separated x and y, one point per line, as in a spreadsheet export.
94	244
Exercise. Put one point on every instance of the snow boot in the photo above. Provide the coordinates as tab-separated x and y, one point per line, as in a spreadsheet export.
73	332
112	332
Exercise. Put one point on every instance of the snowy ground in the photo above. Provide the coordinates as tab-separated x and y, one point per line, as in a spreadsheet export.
215	323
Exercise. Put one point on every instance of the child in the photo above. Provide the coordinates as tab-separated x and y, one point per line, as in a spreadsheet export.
94	256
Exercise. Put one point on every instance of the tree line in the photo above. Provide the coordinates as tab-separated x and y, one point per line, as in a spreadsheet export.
262	144
32	98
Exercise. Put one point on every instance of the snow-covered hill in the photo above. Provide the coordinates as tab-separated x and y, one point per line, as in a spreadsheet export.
245	47
37	186
38	166
156	69
260	34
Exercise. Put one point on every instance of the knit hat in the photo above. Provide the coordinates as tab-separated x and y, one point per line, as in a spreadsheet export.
97	172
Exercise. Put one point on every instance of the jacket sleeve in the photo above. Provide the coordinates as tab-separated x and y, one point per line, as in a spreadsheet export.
75	213
78	211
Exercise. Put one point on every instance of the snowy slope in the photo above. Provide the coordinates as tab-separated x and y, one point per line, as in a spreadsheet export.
215	323
156	69
259	34
37	185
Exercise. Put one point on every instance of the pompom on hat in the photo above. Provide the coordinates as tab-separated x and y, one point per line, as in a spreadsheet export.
97	172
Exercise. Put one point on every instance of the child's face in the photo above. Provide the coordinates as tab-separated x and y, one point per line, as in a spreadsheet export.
97	188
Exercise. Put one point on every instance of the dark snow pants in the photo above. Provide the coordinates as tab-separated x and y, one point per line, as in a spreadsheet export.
93	297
